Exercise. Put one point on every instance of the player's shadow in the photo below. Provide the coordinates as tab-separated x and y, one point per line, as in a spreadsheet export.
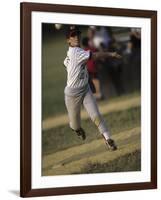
15	192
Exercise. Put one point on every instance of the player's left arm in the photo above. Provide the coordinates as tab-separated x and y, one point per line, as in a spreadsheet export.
103	55
83	56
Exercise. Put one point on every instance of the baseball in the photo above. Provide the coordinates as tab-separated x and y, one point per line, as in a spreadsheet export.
58	26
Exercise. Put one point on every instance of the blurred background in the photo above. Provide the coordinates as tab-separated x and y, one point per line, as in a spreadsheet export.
117	84
111	78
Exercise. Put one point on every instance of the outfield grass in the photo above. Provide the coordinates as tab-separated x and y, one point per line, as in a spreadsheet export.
128	162
75	158
63	137
53	76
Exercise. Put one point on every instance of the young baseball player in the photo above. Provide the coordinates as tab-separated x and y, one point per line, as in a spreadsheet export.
77	90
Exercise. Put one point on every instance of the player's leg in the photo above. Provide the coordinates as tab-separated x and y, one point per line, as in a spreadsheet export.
90	105
73	105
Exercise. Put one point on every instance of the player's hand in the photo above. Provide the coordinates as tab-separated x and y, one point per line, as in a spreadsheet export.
116	55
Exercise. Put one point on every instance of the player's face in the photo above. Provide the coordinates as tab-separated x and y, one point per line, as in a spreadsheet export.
74	40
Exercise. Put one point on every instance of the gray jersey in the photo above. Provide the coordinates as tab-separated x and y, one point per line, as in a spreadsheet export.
75	63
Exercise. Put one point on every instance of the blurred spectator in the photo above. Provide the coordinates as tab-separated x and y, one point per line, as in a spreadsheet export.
92	69
134	57
90	35
115	68
102	37
110	73
115	77
109	70
135	40
135	37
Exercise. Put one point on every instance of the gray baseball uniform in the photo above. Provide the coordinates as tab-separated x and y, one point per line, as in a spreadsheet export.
77	90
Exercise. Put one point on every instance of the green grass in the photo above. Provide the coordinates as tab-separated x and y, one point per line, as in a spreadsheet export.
62	137
128	162
75	158
53	76
123	97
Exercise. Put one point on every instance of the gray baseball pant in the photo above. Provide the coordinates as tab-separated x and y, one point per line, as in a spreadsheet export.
73	105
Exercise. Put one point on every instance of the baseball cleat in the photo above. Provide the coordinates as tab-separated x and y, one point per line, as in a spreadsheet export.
111	144
81	133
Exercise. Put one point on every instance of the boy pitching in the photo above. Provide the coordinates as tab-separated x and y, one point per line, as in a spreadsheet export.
77	90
